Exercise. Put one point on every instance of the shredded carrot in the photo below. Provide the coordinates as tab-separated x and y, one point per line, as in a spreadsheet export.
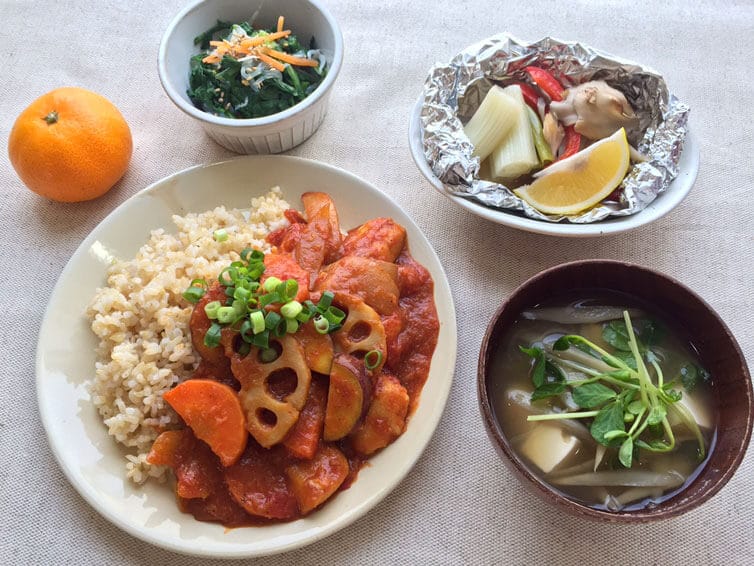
281	20
271	62
259	40
292	59
215	43
211	59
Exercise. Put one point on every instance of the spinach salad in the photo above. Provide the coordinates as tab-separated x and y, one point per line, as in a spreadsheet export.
249	73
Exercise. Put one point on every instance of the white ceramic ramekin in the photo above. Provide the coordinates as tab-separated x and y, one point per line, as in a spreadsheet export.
271	134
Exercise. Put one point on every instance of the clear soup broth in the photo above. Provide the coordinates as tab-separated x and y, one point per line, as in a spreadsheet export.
631	443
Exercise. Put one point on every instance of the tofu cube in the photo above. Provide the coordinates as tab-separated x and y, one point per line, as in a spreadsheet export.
547	446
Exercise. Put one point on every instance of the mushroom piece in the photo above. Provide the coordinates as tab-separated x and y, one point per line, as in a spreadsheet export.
595	109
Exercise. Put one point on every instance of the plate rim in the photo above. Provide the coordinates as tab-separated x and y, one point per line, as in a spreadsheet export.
662	205
247	550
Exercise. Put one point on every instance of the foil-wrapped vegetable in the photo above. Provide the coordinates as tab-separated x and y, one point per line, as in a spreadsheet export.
454	91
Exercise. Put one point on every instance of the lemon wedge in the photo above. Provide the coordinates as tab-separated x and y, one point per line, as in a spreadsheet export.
582	180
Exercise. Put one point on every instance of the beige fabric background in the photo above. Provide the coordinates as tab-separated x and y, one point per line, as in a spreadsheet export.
460	505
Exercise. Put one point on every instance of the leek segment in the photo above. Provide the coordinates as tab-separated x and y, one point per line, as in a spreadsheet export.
491	122
516	155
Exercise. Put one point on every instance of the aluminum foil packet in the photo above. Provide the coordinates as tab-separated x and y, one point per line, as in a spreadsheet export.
454	91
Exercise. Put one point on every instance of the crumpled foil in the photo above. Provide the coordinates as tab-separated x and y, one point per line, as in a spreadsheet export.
453	92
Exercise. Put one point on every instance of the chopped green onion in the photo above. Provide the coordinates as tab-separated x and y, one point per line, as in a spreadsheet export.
325	301
261	340
321	324
246	331
193	294
257	321
271	320
282	328
195	291
210	309
212	336
334	315
268	355
244	348
250	255
292	309
220	235
259	311
242	294
229	281
226	315
372	359
288	290
271	283
268	299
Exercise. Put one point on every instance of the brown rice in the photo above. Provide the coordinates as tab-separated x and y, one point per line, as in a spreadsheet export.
141	320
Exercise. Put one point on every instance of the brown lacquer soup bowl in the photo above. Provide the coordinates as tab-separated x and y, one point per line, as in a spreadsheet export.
724	431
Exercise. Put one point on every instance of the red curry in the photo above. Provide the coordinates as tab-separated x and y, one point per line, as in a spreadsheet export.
312	416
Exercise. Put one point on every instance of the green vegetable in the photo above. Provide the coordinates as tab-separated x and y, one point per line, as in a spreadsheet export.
372	359
548	378
195	291
249	86
627	395
592	395
220	235
543	148
516	155
248	306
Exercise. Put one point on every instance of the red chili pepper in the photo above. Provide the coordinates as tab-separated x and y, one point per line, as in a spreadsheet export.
530	96
572	143
546	82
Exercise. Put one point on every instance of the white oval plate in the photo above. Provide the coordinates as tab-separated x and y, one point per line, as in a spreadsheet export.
92	460
664	203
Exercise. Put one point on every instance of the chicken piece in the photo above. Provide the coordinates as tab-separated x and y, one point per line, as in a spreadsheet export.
321	241
258	484
315	481
374	282
379	238
385	419
595	109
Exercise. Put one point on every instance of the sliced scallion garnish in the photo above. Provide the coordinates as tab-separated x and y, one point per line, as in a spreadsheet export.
372	359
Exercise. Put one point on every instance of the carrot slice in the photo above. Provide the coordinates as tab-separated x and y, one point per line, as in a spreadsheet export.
271	62
213	412
259	40
281	21
164	448
292	59
303	439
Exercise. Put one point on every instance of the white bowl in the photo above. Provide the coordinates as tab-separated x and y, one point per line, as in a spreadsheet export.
95	464
664	203
270	134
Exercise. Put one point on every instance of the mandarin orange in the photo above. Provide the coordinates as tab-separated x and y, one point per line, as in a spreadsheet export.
70	145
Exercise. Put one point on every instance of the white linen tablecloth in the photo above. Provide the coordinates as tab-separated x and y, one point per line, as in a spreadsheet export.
460	504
